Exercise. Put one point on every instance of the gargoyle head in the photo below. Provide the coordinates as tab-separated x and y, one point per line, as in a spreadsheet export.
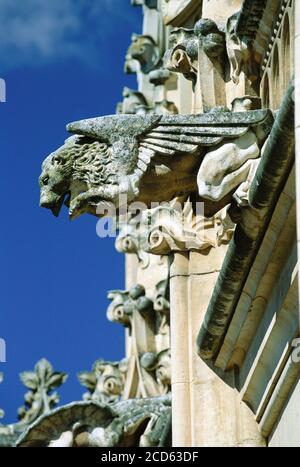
182	53
55	178
144	50
102	151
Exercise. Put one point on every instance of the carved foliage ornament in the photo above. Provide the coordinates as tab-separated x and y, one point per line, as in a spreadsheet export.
40	399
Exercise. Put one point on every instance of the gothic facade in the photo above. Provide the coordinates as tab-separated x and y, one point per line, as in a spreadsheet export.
203	154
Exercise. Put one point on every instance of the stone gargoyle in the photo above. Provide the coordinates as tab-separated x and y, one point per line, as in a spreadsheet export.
130	423
155	158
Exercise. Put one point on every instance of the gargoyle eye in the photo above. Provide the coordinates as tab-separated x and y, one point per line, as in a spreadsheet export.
58	161
45	180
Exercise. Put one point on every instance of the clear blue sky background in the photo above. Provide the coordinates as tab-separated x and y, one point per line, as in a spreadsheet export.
62	61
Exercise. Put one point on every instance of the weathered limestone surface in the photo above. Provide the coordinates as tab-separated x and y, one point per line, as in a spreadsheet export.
143	422
154	158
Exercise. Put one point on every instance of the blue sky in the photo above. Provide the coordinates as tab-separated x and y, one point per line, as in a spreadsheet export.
62	61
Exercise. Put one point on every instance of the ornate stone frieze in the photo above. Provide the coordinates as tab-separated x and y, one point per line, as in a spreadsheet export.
176	12
132	423
145	51
153	159
105	382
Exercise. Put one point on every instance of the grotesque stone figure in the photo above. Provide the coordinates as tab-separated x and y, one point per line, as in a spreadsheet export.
136	422
105	382
154	158
144	50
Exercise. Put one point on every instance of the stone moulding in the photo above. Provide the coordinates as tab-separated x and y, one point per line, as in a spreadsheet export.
265	189
154	158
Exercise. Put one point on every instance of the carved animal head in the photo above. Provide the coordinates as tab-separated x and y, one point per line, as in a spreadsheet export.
144	50
81	162
56	177
102	151
182	53
211	37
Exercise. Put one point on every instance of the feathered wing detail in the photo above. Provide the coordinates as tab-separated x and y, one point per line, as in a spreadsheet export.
188	133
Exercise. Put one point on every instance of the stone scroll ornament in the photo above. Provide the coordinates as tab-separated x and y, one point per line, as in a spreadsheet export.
153	158
105	383
131	423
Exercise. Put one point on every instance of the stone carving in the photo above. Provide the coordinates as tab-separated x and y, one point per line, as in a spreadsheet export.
125	303
116	313
176	12
143	50
135	103
159	77
161	305
160	365
211	39
182	55
238	51
40	399
105	382
174	227
128	241
185	46
154	158
132	423
148	323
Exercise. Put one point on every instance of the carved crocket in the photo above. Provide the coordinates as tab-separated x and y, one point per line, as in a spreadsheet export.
154	158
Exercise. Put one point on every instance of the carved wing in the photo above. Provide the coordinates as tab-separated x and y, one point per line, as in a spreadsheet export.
187	133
